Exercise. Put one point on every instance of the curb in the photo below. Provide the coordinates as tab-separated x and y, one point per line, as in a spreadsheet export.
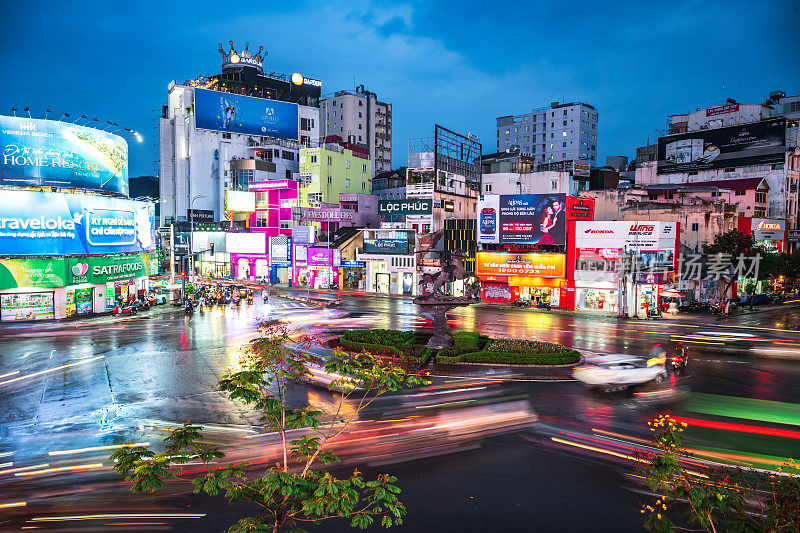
508	365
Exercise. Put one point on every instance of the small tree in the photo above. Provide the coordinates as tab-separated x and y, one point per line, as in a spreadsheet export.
715	498
293	491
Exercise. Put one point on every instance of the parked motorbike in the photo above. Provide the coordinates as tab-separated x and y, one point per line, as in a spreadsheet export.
521	303
544	304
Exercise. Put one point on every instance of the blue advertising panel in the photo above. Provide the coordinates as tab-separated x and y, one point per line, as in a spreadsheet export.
523	218
39	152
235	113
43	223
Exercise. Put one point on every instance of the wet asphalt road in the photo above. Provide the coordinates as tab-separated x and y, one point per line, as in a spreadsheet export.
106	380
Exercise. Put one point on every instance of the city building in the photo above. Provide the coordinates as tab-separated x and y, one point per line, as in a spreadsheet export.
558	133
73	244
360	117
514	173
222	132
330	170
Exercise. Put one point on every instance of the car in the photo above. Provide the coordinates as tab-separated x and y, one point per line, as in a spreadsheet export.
620	371
157	298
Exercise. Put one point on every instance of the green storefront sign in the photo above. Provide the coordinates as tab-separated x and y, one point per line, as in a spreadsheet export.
43	272
109	268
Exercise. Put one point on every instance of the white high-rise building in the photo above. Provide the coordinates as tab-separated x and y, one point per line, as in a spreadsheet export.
225	131
551	135
358	117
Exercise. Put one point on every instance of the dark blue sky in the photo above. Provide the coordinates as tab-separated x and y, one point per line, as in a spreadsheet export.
459	65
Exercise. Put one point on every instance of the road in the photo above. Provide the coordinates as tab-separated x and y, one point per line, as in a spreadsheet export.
78	385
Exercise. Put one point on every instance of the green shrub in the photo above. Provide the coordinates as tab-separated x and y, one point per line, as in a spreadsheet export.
370	347
466	341
445	360
415	352
564	358
382	337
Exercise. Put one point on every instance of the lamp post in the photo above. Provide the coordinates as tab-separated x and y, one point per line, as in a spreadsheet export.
191	232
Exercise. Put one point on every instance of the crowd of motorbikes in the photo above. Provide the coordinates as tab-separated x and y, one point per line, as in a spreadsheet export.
541	304
207	296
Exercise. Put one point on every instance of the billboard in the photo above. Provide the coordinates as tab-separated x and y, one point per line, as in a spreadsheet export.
40	152
240	201
580	208
235	113
246	243
582	168
764	229
330	214
42	223
413	206
522	218
756	143
280	250
33	272
510	264
110	268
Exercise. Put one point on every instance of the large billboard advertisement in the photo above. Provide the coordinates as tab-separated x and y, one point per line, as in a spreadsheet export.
235	113
756	143
510	264
522	218
38	152
42	223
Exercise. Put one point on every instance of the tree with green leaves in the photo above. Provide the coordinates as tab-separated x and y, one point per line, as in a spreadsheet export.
715	498
733	243
294	491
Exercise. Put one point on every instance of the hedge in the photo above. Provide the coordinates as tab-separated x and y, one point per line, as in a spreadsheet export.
565	358
407	349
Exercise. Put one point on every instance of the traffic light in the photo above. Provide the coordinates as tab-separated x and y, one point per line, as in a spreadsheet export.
211	245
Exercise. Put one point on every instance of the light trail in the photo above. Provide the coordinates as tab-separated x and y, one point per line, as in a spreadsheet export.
599	450
12	504
23	468
26	376
742	428
98	448
15	372
114	516
60	469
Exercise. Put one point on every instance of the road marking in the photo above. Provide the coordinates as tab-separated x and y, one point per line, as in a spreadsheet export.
98	448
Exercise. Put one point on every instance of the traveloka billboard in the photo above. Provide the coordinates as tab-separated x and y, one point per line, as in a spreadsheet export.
42	223
51	153
235	113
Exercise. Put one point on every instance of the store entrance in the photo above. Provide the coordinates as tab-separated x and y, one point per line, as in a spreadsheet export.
537	295
382	282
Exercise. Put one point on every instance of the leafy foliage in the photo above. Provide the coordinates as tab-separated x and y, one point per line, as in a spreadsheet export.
292	491
715	498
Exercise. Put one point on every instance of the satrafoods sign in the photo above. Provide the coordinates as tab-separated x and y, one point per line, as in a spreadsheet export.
418	206
110	268
623	234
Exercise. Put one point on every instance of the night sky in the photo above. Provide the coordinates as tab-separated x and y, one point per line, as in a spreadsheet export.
460	65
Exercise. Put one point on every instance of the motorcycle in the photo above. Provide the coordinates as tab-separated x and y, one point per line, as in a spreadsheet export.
189	308
521	303
544	304
680	361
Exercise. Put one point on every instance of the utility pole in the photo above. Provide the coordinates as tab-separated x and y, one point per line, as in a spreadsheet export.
171	255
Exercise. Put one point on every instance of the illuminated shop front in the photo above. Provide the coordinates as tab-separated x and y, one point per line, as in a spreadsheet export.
535	277
620	267
52	288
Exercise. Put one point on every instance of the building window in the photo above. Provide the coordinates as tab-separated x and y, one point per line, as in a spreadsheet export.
359	126
330	160
360	103
740	192
554	185
761	197
330	180
695	226
315	198
347	163
564	145
286	224
359	138
565	123
261	219
359	114
364	167
347	182
363	185
313	159
488	187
